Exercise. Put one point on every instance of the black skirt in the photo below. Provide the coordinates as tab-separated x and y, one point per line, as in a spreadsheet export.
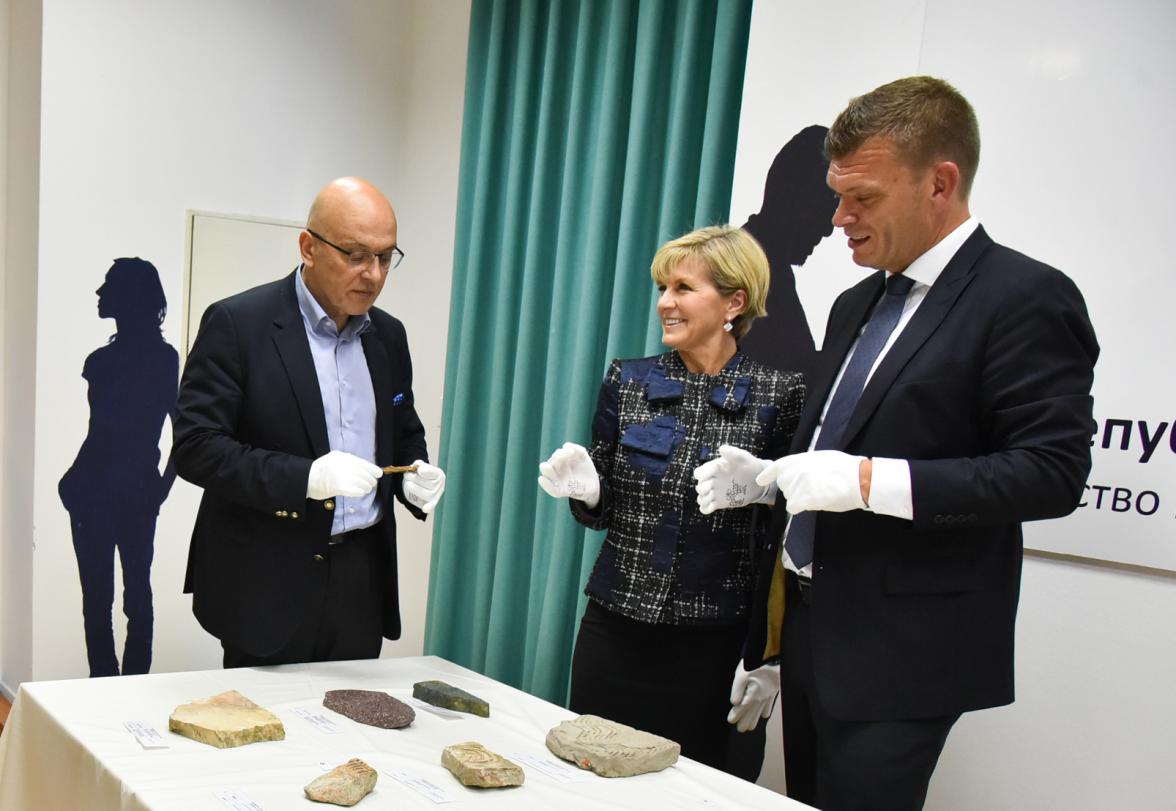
671	680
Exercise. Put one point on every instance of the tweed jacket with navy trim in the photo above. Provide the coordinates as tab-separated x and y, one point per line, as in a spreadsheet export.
662	560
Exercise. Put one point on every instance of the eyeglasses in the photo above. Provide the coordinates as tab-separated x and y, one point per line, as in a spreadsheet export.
389	259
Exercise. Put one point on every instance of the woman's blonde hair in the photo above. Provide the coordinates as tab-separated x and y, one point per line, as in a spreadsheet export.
735	261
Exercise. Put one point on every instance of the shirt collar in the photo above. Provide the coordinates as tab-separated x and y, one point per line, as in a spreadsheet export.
926	269
316	319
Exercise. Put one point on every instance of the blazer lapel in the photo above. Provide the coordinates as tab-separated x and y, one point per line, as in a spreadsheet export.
940	299
294	350
859	303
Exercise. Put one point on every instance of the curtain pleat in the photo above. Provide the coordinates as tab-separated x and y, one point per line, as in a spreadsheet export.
593	132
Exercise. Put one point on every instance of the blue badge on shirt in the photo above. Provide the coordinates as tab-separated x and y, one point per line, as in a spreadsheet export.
398	399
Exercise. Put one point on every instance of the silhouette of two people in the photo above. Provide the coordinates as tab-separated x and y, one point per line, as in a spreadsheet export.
114	489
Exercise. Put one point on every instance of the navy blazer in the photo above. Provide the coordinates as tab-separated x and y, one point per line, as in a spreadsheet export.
987	393
249	423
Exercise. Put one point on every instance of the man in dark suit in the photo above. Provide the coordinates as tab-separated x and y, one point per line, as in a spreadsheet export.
294	395
953	405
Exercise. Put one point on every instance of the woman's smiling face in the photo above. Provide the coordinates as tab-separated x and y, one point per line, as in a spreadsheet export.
691	308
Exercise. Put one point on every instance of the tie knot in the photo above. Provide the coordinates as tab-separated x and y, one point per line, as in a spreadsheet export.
898	285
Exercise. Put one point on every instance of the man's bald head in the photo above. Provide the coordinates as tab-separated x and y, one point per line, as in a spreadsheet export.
344	198
348	215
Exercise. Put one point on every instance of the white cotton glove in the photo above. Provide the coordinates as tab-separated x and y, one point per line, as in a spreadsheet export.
569	473
753	695
339	473
424	486
817	480
728	481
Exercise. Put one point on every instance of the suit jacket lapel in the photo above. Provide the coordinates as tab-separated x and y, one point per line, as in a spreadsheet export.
939	300
858	304
294	349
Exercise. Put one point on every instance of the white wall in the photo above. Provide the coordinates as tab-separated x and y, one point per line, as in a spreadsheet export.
20	79
1074	130
153	108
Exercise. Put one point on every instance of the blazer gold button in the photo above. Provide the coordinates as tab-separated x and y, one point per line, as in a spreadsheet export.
329	504
318	557
294	515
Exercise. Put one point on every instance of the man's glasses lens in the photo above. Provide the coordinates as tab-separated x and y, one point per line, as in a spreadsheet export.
389	259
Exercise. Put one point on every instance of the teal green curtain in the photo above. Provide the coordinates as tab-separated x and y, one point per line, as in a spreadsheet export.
593	132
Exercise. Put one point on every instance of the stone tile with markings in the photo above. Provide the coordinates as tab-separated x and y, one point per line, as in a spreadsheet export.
344	785
475	765
611	749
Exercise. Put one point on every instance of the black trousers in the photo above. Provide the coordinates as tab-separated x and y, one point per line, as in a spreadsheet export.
671	680
350	626
840	765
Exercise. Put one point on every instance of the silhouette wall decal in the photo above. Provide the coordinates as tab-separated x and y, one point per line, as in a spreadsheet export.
114	489
797	213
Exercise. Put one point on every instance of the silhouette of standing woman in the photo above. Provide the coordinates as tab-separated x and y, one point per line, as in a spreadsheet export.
113	490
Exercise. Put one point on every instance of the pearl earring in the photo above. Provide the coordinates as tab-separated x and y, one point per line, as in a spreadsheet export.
727	327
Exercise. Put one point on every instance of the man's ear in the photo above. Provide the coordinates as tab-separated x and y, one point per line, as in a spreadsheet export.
945	180
304	241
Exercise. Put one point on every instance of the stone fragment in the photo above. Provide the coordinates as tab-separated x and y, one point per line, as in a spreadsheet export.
440	694
226	720
475	765
611	749
370	707
344	785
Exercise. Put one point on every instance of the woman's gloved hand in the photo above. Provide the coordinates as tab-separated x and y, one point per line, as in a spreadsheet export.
569	473
729	481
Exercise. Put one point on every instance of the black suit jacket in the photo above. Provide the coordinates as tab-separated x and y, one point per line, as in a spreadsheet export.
249	423
986	393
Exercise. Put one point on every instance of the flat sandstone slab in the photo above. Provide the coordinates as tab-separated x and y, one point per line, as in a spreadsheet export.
344	785
440	694
370	707
475	765
611	749
226	720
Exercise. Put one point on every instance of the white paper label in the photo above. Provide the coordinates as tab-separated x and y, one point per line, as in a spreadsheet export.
558	770
236	800
147	735
449	715
420	785
317	720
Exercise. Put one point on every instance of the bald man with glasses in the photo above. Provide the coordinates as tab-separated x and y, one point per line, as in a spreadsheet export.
295	404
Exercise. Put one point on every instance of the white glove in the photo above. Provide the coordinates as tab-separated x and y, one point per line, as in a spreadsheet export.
753	695
341	474
817	480
424	486
569	473
728	481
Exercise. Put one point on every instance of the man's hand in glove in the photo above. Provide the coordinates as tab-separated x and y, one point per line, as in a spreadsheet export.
424	487
341	474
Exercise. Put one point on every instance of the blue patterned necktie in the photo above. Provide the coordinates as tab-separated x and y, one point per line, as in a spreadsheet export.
802	528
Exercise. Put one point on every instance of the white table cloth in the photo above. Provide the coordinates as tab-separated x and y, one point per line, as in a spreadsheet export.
66	747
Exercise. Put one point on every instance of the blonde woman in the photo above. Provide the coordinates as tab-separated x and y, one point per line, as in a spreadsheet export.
669	595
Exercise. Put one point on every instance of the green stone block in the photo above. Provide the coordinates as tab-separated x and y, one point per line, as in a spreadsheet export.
440	694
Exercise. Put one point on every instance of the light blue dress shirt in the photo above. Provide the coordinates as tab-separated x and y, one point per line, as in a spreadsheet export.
349	402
